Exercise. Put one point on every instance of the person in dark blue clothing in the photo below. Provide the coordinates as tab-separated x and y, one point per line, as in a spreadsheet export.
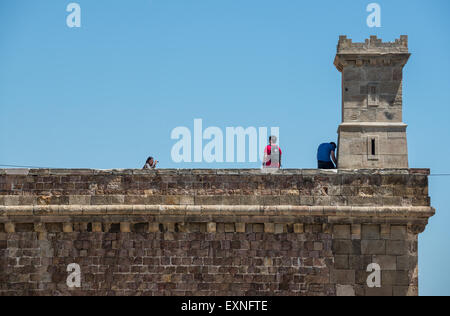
326	156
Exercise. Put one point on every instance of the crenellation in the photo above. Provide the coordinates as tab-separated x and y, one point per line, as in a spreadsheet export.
371	45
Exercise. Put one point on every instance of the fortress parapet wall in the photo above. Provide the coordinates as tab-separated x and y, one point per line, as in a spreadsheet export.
211	232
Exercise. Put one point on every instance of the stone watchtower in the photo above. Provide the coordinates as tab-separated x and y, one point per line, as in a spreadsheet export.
372	133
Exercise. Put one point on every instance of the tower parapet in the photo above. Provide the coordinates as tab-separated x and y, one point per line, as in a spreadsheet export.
373	44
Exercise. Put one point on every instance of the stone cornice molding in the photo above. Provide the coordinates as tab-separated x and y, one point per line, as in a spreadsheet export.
234	210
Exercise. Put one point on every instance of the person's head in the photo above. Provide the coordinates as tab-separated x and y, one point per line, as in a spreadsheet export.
272	139
334	145
150	160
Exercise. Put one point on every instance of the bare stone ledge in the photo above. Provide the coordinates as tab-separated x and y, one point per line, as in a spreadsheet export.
175	172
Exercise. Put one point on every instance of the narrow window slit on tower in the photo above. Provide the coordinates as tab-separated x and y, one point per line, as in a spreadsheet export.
373	147
373	95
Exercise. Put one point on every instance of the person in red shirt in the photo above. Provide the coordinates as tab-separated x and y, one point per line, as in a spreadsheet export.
272	154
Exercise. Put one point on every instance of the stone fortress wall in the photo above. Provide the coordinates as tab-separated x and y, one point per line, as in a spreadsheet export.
211	232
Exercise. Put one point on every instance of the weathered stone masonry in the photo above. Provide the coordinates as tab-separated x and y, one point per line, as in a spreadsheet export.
211	232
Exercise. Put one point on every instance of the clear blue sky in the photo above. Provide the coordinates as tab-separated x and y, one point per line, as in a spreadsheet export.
109	94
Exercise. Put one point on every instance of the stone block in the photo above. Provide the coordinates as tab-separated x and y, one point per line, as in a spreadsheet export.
67	227
116	199
399	233
187	200
211	227
400	290
125	227
373	247
359	262
11	200
39	227
343	277
387	263
100	200
396	248
153	227
382	291
385	231
240	227
341	262
370	232
258	228
171	200
342	247
79	199
318	246
279	228
268	262
399	278
229	228
97	227
298	228
345	290
10	227
327	228
169	227
341	232
208	200
356	231
269	228
407	262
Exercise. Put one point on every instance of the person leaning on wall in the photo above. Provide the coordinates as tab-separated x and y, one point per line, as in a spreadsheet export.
326	156
150	163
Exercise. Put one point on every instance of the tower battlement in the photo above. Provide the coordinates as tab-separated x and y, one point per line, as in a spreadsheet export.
372	45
